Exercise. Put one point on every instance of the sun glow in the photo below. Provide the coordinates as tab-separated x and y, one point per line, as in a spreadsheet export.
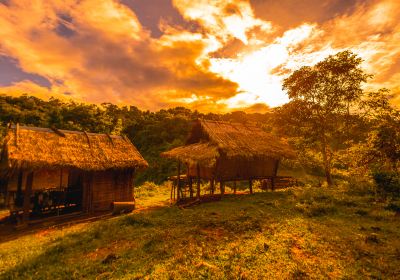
254	71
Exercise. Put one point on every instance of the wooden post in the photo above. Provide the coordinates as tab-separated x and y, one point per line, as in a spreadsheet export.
234	187
172	191
178	181
198	181
276	168
251	186
222	187
272	184
27	197
87	204
212	186
90	184
191	186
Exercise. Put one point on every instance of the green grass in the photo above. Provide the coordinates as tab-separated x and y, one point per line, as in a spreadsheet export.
295	234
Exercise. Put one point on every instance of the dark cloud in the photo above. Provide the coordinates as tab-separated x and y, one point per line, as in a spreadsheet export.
152	13
289	13
11	73
65	26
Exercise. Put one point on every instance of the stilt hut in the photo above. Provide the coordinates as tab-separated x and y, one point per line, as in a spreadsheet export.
224	151
46	169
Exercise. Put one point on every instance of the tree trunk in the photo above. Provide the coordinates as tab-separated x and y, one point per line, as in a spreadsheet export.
327	163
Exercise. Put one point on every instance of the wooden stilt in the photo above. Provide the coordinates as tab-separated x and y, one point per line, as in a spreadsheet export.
27	197
198	181
178	181
191	186
212	186
172	190
251	186
234	187
222	188
272	184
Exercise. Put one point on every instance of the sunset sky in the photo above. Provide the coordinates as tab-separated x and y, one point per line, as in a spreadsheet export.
210	55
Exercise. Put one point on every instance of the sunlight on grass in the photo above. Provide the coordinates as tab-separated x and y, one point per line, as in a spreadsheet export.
298	233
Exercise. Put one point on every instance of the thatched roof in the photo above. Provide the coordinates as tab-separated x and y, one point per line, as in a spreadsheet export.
210	139
35	148
202	153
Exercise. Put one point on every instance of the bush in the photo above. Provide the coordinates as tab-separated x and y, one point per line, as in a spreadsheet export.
387	183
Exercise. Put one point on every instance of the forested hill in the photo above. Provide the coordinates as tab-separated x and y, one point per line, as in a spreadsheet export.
151	132
337	129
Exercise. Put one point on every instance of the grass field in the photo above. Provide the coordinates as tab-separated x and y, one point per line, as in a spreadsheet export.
308	233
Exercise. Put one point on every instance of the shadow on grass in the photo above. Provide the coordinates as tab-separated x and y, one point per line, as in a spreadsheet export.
205	239
140	241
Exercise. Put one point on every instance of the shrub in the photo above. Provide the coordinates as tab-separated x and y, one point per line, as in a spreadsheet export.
387	183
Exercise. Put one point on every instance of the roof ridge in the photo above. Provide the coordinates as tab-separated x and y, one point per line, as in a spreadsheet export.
52	130
233	123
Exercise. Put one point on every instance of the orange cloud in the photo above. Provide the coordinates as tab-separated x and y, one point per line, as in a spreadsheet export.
108	55
33	89
223	19
236	57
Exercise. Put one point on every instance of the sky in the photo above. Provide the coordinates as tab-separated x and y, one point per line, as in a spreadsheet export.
209	55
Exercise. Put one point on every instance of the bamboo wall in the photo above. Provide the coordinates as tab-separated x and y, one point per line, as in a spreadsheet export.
110	186
237	168
42	179
100	188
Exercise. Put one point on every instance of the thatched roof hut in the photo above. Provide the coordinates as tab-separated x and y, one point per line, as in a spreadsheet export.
210	140
225	151
96	168
37	148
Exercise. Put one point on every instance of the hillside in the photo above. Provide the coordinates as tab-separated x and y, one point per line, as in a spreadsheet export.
309	233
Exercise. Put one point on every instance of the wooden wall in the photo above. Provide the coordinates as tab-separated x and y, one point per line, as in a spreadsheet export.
245	168
110	186
100	188
42	179
237	168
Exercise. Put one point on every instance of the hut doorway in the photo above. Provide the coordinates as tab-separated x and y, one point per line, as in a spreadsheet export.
74	191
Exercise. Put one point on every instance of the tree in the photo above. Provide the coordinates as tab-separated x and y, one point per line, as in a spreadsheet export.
382	148
323	97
